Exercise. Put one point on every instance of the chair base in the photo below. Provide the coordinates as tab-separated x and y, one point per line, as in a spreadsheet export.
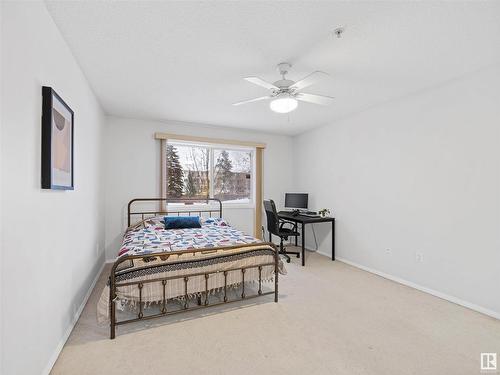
286	253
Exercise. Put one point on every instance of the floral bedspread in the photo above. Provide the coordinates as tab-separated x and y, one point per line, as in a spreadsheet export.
154	238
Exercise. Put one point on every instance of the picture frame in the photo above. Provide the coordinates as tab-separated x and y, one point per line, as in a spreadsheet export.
57	142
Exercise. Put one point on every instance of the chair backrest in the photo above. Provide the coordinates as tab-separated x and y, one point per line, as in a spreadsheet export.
272	217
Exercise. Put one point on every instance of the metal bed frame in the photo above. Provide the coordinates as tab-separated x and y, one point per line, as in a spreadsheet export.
203	298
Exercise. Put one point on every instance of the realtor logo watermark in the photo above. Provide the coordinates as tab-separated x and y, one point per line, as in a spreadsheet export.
488	362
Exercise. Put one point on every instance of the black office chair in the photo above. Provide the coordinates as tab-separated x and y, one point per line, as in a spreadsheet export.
276	226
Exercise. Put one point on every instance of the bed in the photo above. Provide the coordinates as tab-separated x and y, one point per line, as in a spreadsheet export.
160	271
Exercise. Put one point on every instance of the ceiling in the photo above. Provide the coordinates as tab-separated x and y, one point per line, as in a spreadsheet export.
185	60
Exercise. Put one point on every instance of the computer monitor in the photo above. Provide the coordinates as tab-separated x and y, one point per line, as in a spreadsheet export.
296	200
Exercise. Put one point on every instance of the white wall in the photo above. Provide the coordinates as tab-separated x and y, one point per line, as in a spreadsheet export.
1	228
421	174
133	168
53	242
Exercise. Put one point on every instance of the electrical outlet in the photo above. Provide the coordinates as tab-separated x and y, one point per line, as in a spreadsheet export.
419	257
388	251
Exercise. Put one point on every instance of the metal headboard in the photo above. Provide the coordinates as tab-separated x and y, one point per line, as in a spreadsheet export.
184	210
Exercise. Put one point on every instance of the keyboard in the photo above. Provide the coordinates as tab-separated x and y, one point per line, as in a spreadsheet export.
312	214
303	213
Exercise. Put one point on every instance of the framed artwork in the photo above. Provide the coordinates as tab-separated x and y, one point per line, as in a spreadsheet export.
57	142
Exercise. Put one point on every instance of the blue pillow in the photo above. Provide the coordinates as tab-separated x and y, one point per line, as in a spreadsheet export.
181	222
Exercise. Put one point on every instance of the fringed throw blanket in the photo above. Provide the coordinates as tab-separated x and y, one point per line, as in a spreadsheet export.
151	237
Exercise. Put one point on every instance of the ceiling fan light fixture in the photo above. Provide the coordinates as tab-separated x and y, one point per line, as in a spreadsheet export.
285	94
283	104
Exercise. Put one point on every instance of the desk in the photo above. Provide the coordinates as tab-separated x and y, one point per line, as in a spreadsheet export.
303	220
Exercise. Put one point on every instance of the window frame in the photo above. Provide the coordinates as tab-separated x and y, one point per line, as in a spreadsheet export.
211	147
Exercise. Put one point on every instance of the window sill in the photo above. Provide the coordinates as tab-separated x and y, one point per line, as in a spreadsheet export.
214	207
226	206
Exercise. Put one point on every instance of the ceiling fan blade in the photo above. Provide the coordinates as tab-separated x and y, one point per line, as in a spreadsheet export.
252	100
309	80
315	99
261	82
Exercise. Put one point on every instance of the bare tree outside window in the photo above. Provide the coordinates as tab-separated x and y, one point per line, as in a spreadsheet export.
232	175
223	173
197	180
192	187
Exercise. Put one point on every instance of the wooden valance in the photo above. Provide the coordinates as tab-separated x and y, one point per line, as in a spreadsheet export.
217	141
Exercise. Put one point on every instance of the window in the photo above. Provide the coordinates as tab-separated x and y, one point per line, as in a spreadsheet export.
187	171
203	171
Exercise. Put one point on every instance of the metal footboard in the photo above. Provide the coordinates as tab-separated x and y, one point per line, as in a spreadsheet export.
203	297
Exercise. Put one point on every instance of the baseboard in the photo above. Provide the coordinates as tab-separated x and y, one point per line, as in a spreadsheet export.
57	351
424	289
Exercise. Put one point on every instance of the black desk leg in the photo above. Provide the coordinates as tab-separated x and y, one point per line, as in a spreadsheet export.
303	245
296	237
333	239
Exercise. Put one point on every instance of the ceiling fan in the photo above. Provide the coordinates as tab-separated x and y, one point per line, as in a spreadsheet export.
285	93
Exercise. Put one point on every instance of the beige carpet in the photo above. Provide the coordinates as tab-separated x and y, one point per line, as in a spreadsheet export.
331	319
